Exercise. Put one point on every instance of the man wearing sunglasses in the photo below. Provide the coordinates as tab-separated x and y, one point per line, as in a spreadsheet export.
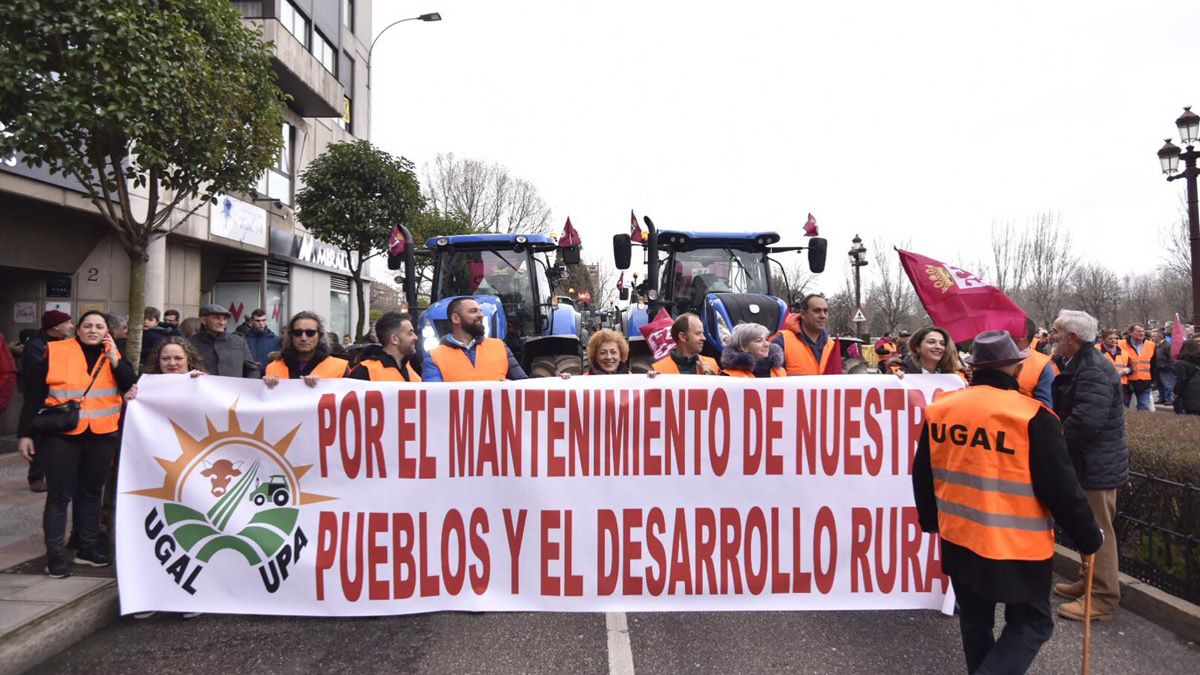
222	353
305	354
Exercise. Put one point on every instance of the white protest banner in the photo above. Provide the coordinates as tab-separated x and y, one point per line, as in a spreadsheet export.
620	493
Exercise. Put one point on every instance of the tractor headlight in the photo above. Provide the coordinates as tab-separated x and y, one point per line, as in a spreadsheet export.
429	344
652	294
428	332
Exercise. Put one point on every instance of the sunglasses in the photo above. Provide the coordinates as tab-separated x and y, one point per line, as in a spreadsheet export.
305	332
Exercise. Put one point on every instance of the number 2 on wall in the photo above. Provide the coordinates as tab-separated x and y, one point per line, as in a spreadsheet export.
93	274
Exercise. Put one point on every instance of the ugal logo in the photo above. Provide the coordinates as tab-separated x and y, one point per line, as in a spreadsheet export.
234	491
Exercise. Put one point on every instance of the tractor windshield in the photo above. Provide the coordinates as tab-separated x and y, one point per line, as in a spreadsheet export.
504	274
693	274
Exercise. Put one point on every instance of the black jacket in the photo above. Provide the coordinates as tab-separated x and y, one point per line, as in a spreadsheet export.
1187	385
1087	398
360	372
1054	485
153	336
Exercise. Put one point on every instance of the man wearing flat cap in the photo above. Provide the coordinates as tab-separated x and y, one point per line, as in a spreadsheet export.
991	476
222	353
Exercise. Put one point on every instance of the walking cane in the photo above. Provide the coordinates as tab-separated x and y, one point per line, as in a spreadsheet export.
1087	609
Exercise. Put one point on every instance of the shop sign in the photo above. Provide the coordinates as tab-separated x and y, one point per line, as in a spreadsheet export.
231	218
304	248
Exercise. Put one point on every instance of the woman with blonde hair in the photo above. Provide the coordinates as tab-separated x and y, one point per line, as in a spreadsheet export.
749	352
608	354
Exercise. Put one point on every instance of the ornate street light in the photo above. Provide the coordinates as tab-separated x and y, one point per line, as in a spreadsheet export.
1169	156
858	261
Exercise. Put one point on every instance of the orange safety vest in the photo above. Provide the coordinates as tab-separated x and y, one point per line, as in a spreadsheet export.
491	362
381	373
798	358
1031	371
979	451
1139	362
68	377
775	372
1122	361
666	366
330	366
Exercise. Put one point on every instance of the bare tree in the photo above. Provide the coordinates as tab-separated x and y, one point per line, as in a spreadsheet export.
789	282
1175	242
1049	262
1142	298
889	294
487	195
1097	291
1007	270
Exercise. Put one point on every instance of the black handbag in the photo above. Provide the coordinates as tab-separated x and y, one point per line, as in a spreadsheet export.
61	418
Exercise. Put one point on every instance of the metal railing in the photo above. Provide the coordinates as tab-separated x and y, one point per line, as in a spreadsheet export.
1158	534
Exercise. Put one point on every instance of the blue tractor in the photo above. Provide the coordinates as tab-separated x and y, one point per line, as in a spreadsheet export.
512	277
723	277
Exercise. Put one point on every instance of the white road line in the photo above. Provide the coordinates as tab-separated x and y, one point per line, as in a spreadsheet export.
620	655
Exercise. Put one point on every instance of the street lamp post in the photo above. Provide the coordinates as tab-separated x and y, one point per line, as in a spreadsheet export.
857	261
432	16
1169	155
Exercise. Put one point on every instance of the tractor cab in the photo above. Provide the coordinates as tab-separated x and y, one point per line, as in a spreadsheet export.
512	277
722	277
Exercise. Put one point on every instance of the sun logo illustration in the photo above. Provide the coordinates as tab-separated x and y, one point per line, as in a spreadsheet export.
229	490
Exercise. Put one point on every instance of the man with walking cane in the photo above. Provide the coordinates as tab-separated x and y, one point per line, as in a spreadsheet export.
991	475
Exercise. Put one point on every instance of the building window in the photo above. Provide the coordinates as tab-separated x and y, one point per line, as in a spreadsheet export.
295	22
348	14
325	53
347	121
347	80
276	183
339	305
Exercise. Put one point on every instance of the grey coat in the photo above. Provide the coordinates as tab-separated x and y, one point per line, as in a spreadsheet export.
1087	398
225	354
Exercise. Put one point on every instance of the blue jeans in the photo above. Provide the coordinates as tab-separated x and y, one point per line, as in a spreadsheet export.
1166	386
1143	398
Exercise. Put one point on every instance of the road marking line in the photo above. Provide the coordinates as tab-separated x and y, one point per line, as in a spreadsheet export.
620	655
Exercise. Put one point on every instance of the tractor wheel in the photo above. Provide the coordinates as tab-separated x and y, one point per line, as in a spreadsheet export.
280	498
259	500
640	363
543	366
568	364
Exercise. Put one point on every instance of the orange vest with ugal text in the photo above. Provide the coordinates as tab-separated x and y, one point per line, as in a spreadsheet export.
382	373
330	366
666	366
491	362
979	451
68	378
1031	371
1139	361
798	358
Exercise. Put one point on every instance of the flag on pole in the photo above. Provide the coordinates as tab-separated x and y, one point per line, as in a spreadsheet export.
635	230
1178	336
396	241
834	365
810	227
959	301
570	237
621	281
658	334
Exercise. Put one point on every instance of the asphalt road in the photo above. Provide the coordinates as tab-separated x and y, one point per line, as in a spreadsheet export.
742	642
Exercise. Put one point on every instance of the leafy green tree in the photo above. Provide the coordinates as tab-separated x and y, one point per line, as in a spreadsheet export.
353	194
154	106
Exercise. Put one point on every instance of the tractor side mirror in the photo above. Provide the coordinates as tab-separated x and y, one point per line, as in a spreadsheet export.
570	255
816	254
624	294
622	251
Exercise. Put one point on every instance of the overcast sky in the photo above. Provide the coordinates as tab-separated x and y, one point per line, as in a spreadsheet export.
925	121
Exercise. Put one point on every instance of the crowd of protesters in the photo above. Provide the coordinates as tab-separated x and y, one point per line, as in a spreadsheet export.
1055	397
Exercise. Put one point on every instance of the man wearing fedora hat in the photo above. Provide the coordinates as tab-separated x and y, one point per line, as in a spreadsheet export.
223	353
992	476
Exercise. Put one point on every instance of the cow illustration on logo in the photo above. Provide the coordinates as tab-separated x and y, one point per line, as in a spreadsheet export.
231	491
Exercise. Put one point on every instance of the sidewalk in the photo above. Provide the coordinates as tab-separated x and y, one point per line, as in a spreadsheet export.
40	616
